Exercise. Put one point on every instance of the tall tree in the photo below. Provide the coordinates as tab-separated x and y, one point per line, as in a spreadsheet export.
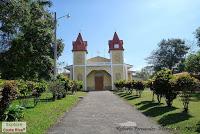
192	63
197	34
30	55
169	53
145	73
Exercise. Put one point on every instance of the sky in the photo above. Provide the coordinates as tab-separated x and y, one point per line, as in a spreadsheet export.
141	24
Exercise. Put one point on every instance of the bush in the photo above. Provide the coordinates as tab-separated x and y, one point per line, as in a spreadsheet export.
1	82
130	85
13	113
185	84
62	77
58	89
25	88
139	86
149	84
37	89
119	84
9	93
163	87
79	85
67	85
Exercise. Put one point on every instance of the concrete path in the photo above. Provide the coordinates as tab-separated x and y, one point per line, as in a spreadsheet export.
105	113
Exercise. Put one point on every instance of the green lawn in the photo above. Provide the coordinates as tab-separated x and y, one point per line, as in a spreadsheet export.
169	117
45	114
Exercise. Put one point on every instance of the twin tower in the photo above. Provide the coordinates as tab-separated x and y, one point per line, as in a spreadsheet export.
110	70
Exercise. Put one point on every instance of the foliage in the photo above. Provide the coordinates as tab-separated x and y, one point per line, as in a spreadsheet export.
24	88
139	86
8	93
185	84
119	84
169	53
164	87
149	84
79	85
58	89
39	88
45	115
197	34
129	85
29	89
193	63
67	82
62	77
171	118
30	53
13	113
1	83
76	86
145	73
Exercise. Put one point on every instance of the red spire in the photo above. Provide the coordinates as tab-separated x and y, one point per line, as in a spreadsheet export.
79	38
115	37
79	44
115	43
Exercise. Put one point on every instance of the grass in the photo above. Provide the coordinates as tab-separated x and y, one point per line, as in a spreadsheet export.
174	117
45	114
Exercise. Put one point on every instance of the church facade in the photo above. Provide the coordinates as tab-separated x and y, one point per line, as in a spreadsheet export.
99	73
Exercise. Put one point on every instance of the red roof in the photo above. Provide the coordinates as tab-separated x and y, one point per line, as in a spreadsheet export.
114	41
79	44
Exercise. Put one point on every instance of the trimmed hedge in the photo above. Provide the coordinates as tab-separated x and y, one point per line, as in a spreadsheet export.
129	86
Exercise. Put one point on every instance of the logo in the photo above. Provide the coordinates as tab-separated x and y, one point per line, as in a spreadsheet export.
13	127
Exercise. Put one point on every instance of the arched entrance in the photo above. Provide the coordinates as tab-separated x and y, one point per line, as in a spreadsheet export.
99	80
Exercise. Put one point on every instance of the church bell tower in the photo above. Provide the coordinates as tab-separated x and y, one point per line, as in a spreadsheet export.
79	60
116	51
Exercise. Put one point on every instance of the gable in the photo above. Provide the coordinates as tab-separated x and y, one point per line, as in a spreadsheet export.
98	59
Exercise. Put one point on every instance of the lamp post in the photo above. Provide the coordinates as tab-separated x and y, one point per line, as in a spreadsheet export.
55	41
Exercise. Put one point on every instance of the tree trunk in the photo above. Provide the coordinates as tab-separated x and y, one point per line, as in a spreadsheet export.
153	96
159	98
169	102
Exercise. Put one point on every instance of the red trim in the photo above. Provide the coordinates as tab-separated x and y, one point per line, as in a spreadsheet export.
114	41
79	44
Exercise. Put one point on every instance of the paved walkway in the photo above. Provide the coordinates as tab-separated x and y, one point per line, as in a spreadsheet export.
104	113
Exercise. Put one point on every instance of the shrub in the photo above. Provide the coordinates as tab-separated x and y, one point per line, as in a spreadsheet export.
162	86
58	89
119	84
25	88
73	87
1	82
40	87
185	84
79	85
139	86
130	85
37	89
149	84
9	93
67	85
62	77
13	113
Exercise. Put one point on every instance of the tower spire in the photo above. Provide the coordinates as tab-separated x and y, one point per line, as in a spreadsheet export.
79	44
79	38
115	43
115	37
